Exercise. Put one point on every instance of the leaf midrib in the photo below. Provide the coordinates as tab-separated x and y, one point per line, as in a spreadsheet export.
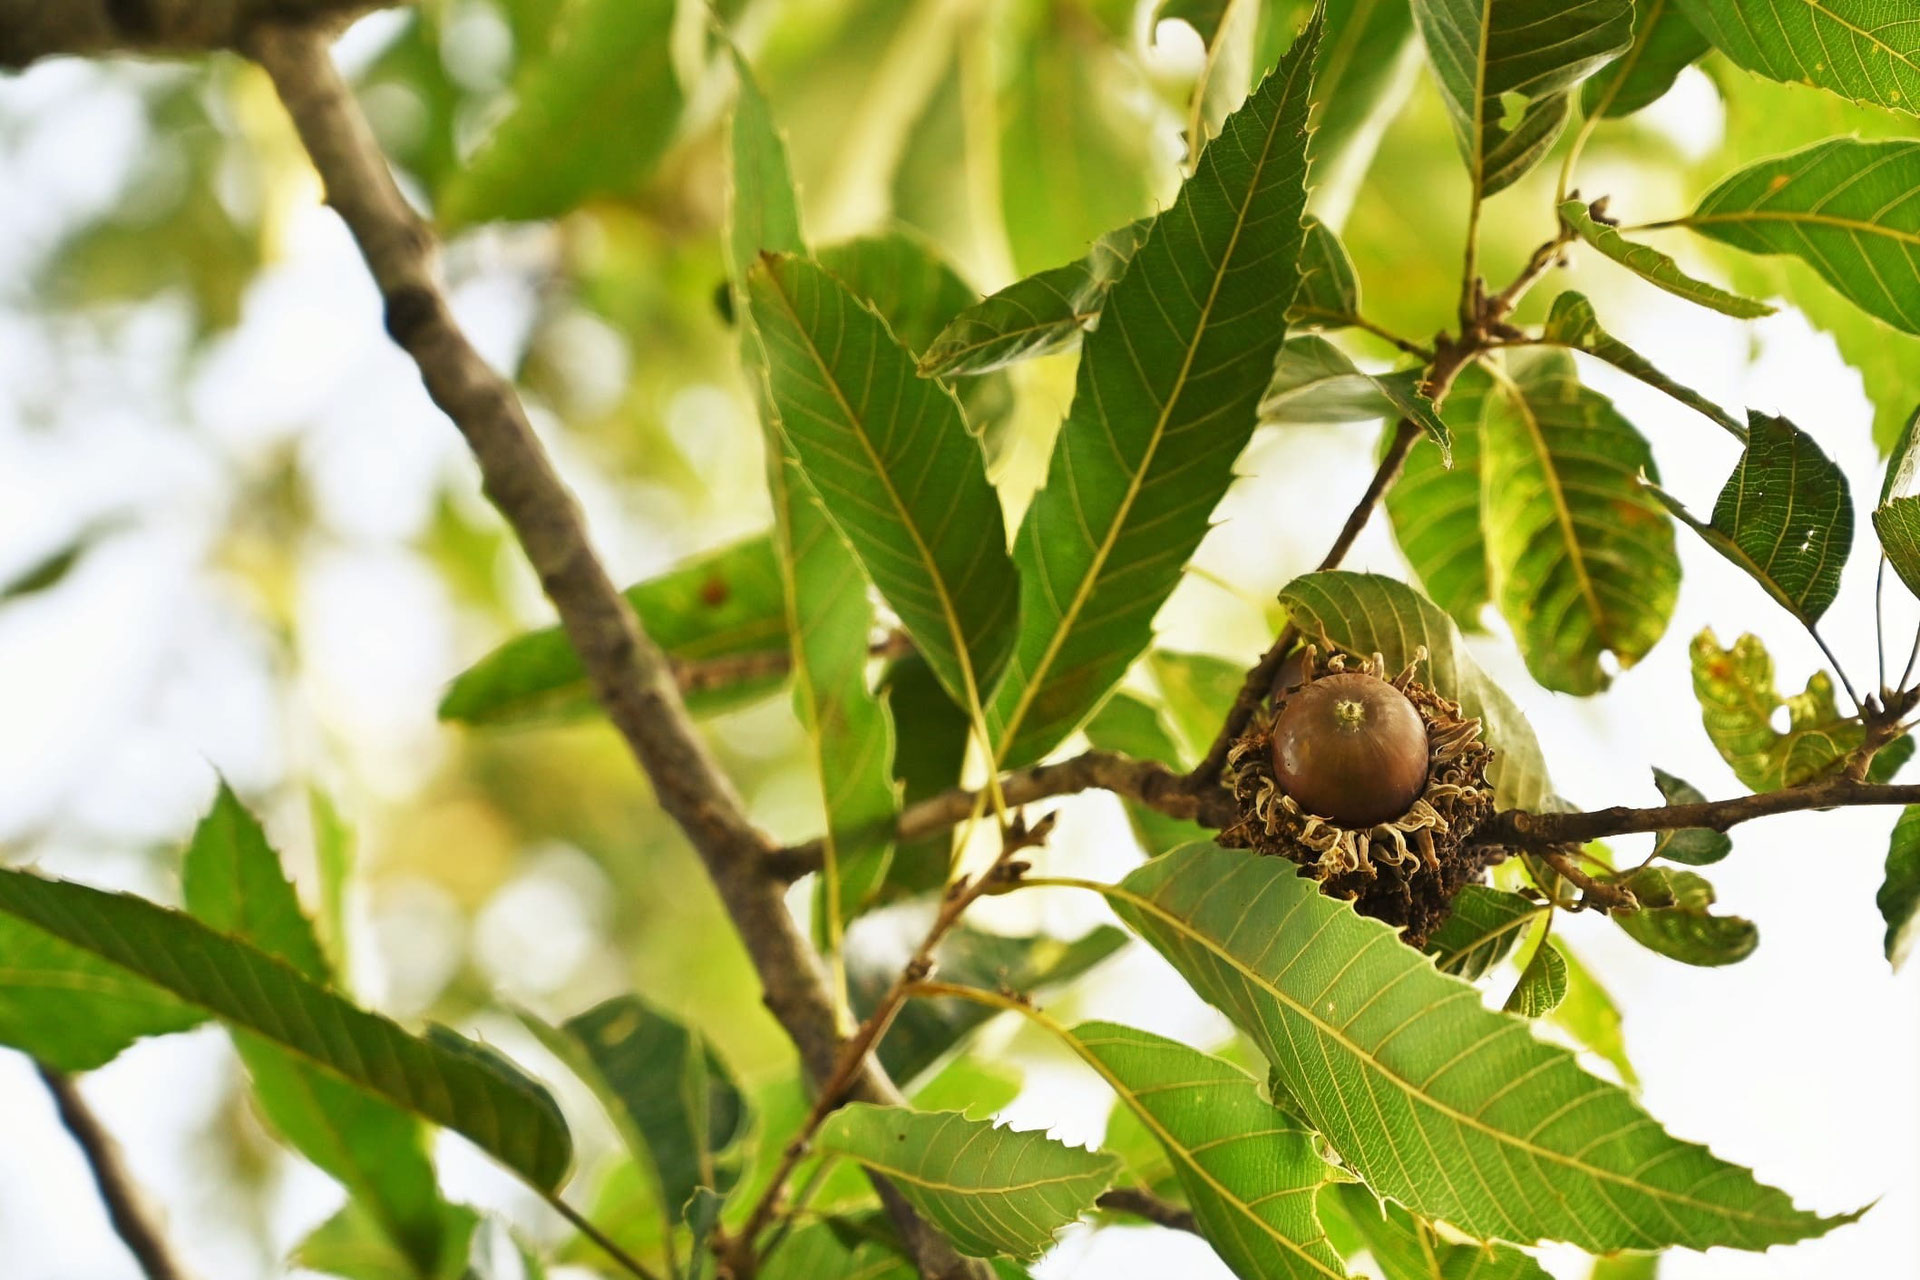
1853	225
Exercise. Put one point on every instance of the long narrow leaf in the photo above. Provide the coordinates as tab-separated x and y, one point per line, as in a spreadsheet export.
1655	267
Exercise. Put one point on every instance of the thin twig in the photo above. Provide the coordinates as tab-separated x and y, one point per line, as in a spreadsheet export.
122	1198
600	1238
1514	828
1407	345
1880	621
1838	670
1142	1203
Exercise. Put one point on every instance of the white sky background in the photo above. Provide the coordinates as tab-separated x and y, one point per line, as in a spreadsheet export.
121	691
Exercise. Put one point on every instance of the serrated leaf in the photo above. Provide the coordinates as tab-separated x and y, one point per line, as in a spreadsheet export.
1899	896
1485	926
1465	1116
1130	725
720	605
890	457
1580	556
233	881
1589	1015
1696	846
1166	397
1366	614
1847	208
1664	44
1249	1171
1655	267
1329	293
446	1079
1315	382
1737	700
1485	50
1686	930
1405	1248
1542	985
991	1190
1866	50
1572	323
590	117
1434	509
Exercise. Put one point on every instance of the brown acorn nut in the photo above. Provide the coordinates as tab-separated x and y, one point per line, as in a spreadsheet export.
1351	748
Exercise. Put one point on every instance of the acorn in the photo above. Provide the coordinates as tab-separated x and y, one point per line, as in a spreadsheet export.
1373	785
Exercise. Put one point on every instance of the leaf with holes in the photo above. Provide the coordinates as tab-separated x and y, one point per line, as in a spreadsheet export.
1315	382
1848	209
1581	557
1899	896
1542	985
1655	267
444	1078
1364	613
1463	1114
1675	920
1405	1248
1696	846
1572	324
1664	44
1784	516
1866	50
991	1190
1166	398
1485	52
1434	509
1485	926
1737	700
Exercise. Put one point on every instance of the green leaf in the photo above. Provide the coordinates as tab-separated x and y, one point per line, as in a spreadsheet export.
1166	397
1626	1266
354	1245
1655	267
1899	896
1844	207
1572	323
1364	613
1329	293
1249	1171
890	456
671	1099
1737	700
1434	509
721	605
1405	1248
1696	846
233	882
991	1190
445	1079
1485	50
1314	382
1897	519
1360	67
72	1010
590	117
1866	50
1041	314
836	1249
1131	726
1581	557
1542	985
1485	926
1685	930
333	856
1665	43
926	762
1455	1111
1589	1015
1784	516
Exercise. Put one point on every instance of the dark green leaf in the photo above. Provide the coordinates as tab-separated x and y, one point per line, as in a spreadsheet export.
1581	557
1405	1248
1665	43
1314	382
1685	930
1485	926
1435	509
1899	896
445	1079
1542	985
1329	293
1354	78
1737	700
590	117
1655	267
1589	1015
1866	50
1364	613
1697	846
1459	1100
926	761
1483	51
724	604
991	1190
52	569
1166	398
1573	324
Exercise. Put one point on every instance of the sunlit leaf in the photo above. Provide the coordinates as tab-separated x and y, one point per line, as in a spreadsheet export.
1365	613
353	1245
1665	43
991	1190
1485	926
1696	846
1589	1015
1899	896
445	1079
1468	1117
1866	50
1315	382
1675	919
1329	293
1361	63
1198	690
1572	323
837	1248
1737	701
1542	985
1626	1266
1655	267
1897	518
1165	402
1581	557
72	1010
1405	1248
1434	509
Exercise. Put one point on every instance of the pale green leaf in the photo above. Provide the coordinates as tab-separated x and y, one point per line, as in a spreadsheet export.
72	1010
991	1190
1434	509
1696	847
1589	1015
1366	614
1329	293
1572	324
1542	985
1405	1248
1675	919
1581	556
1166	398
445	1079
1199	689
1455	1111
1626	1266
1866	50
1315	382
837	1249
334	857
1665	43
1737	699
1899	896
1358	81
1485	926
353	1245
1897	519
1655	267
